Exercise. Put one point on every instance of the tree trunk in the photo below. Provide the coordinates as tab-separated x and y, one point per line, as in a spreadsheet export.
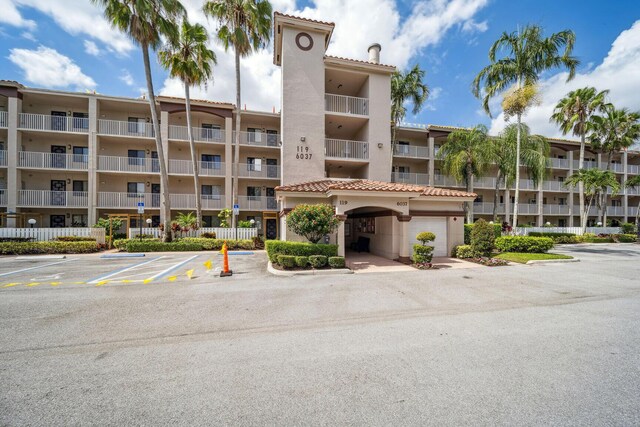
194	161
393	144
165	207
583	221
517	189
236	147
469	183
638	216
605	197
496	197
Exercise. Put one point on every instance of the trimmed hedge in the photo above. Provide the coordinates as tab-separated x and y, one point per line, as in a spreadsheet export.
279	247
287	261
559	238
625	238
497	229
483	238
157	246
628	228
184	244
464	251
302	261
53	247
526	244
318	261
422	254
216	244
337	262
208	235
75	239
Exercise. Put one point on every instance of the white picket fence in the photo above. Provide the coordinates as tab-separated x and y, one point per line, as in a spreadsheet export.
221	233
524	231
44	234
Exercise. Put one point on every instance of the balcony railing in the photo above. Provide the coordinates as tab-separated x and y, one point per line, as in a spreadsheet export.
555	186
446	181
346	104
345	149
486	208
185	167
615	210
257	203
46	198
485	182
588	164
128	164
411	151
526	208
188	201
559	163
633	169
617	167
3	157
258	139
127	200
555	209
199	134
250	170
35	160
53	123
3	197
4	119
410	178
122	128
632	211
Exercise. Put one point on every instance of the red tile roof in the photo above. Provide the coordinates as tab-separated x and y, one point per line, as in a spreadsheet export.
304	19
206	101
358	61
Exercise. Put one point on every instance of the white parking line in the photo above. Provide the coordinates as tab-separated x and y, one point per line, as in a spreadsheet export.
172	268
106	276
33	268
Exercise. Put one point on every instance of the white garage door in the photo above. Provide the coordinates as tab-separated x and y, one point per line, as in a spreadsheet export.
437	226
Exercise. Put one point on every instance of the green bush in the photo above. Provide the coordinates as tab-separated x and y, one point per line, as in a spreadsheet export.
134	245
208	235
75	239
422	254
318	261
53	247
465	251
425	236
628	228
287	261
526	244
337	262
482	238
216	244
279	247
313	221
599	239
258	243
559	238
497	229
16	239
625	238
301	261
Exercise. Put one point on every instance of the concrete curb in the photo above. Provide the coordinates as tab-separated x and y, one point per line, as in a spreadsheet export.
555	261
38	257
331	272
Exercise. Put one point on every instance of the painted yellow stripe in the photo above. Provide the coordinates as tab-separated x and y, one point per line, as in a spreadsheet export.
11	285
102	283
55	283
190	273
172	278
147	281
208	264
33	284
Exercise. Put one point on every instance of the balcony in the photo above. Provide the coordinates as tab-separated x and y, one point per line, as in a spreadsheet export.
128	164
632	211
179	133
485	182
633	191
411	151
122	128
526	208
185	167
258	139
53	123
57	199
615	210
188	201
4	119
345	149
555	186
486	208
3	158
152	200
250	170
617	167
633	169
555	209
446	181
587	164
257	203
410	178
35	160
558	163
346	104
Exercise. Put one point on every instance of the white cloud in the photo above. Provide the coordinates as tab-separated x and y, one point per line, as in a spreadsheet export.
48	68
11	15
434	94
618	72
29	36
91	48
127	78
471	26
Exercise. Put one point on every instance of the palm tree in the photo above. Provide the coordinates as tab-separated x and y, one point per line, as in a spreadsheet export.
407	86
189	59
595	182
634	182
573	114
146	22
533	156
245	25
528	55
466	155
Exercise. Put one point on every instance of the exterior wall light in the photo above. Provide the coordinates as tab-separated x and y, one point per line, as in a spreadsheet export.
32	222
380	145
303	139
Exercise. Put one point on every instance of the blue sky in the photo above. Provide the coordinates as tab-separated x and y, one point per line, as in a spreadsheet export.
65	44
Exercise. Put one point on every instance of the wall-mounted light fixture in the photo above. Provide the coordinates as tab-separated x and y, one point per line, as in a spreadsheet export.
148	184
303	139
380	145
68	180
68	215
148	151
69	146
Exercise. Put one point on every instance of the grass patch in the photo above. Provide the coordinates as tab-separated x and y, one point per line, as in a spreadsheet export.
522	258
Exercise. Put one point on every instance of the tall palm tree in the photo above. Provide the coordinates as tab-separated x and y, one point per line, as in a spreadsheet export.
407	86
146	22
573	114
245	25
466	155
534	153
528	54
189	59
595	182
634	182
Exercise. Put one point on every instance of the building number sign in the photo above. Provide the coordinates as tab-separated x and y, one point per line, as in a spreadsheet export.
302	153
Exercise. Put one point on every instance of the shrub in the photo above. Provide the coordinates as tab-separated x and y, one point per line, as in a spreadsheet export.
258	243
134	245
625	238
598	239
287	261
53	247
301	261
497	228
313	221
425	236
422	254
224	216
559	237
16	239
208	235
318	261
244	224
337	262
628	228
216	244
482	238
75	239
526	244
279	247
116	224
464	251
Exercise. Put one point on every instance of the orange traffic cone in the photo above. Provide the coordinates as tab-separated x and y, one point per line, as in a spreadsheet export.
225	263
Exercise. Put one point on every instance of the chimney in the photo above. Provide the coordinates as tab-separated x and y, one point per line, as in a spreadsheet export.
374	53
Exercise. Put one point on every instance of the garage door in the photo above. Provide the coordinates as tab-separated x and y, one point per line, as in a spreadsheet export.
437	226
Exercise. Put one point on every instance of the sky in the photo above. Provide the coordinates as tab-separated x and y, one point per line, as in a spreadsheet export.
68	45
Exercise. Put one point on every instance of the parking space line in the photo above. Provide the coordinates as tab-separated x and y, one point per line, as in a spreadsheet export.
34	268
163	273
122	270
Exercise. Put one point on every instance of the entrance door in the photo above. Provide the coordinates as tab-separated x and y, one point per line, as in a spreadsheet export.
57	221
58	156
272	204
271	228
58	120
272	168
155	195
155	166
58	192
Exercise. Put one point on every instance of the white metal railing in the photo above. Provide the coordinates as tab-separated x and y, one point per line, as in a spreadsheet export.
558	163
221	233
122	128
526	208
37	198
3	157
592	211
346	104
633	169
523	231
617	167
35	160
257	203
588	164
615	210
485	182
555	186
185	167
128	164
555	209
250	170
486	208
188	201
410	178
258	139
44	234
54	123
3	197
4	119
345	149
447	181
127	200
632	211
412	151
199	134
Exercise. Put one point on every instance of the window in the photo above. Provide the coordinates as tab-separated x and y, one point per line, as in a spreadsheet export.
254	193
134	188
211	161
272	138
211	131
403	147
254	164
478	199
80	186
561	156
79	220
254	135
562	201
561	179
80	154
136	157
616	202
136	124
80	120
210	192
562	223
207	220
403	169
